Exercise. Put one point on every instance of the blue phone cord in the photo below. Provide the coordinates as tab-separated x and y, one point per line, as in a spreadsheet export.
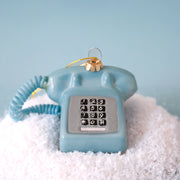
16	110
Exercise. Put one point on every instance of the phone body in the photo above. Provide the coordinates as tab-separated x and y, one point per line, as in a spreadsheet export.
92	107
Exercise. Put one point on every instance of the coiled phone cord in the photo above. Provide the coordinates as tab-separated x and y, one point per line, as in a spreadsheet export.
16	106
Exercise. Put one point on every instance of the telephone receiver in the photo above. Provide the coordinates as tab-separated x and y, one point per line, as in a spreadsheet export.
90	105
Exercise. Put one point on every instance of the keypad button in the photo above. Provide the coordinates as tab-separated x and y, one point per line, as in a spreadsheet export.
101	101
102	122
93	108
83	108
101	108
102	115
93	115
84	101
84	115
93	101
93	122
84	122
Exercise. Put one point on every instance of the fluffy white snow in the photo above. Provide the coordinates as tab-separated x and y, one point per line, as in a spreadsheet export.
29	148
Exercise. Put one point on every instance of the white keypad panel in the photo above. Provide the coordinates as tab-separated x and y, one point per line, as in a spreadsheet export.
92	114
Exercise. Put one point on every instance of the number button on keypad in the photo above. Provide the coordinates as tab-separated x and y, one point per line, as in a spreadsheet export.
93	115
102	115
101	101
84	101
84	115
83	108
93	101
93	122
101	108
93	108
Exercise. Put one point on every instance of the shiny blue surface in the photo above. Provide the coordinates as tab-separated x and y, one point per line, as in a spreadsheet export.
16	110
37	37
76	81
64	83
65	78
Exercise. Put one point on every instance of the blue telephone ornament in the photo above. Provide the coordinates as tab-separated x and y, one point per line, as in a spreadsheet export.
90	106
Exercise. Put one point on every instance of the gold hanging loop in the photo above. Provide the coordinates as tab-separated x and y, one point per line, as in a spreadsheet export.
93	63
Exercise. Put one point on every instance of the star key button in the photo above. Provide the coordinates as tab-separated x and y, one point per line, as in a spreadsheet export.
84	122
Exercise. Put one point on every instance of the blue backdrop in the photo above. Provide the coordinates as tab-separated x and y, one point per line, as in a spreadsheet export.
38	37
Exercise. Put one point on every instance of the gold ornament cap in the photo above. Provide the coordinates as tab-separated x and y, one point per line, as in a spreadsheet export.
93	62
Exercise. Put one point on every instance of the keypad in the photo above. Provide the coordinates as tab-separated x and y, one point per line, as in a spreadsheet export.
93	112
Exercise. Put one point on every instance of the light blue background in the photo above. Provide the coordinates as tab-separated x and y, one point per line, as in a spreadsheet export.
38	37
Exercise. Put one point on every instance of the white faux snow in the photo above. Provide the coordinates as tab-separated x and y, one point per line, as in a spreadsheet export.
29	149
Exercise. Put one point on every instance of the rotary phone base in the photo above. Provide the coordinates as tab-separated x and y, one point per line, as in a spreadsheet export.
90	106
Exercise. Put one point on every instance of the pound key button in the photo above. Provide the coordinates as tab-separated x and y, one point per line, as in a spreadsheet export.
102	122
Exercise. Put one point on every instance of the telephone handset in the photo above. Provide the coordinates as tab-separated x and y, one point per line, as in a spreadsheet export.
90	106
